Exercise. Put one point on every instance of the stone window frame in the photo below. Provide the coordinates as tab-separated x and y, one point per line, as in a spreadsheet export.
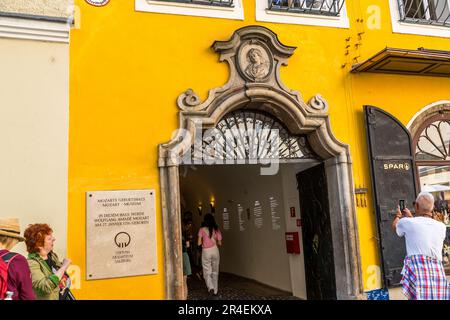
263	14
236	12
425	113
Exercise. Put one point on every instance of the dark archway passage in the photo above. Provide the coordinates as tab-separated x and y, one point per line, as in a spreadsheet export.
254	212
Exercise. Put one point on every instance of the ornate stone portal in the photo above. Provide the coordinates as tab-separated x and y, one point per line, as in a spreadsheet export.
255	55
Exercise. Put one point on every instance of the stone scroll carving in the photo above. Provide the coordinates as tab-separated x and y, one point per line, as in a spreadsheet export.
188	99
318	103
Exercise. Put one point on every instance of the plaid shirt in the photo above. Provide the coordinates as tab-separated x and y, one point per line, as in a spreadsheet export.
424	279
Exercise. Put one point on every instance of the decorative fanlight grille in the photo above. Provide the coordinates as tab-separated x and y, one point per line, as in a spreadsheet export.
434	142
253	136
425	11
323	7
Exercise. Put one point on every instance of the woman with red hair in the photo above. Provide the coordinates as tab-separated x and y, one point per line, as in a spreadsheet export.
48	274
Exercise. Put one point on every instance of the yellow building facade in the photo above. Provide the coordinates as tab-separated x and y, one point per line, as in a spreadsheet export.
128	65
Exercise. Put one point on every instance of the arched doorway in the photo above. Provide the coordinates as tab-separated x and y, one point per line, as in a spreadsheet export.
255	56
246	172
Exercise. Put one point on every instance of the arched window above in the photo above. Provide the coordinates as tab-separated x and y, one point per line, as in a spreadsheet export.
432	156
433	143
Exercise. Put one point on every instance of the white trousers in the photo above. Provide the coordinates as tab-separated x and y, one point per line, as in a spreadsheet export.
210	263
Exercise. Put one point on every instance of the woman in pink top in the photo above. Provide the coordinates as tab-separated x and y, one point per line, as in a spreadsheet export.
209	237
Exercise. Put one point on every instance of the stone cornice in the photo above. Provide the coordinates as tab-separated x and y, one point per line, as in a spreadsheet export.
34	29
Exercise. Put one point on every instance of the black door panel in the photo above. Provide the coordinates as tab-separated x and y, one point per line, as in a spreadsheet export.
393	178
316	234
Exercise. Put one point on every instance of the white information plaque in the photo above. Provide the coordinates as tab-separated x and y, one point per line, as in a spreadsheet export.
120	234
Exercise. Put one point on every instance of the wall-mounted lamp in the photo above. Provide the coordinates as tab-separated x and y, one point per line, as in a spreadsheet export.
199	208
212	206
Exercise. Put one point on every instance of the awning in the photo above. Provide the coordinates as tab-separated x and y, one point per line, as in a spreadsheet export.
422	61
435	188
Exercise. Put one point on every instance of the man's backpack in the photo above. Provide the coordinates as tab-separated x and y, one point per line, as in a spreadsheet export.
5	260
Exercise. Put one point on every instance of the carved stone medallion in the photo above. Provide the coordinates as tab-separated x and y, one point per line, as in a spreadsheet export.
254	61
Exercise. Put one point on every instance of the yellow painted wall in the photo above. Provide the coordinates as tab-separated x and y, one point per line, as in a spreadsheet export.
127	69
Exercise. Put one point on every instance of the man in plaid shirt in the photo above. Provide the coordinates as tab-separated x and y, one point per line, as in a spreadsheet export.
423	272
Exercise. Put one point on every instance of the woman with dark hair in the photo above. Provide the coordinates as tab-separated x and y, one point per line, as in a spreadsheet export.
209	237
48	274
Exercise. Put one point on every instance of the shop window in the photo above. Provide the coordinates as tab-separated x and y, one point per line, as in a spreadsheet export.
325	13
432	155
225	9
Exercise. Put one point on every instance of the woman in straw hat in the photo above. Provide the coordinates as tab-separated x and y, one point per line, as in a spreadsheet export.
18	273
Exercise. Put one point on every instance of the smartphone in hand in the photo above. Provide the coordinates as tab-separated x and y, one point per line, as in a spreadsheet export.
401	204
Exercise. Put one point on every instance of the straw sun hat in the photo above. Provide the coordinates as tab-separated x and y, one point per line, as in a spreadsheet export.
10	227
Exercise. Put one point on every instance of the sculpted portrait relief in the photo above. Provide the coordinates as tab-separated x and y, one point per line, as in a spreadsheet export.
255	62
258	67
